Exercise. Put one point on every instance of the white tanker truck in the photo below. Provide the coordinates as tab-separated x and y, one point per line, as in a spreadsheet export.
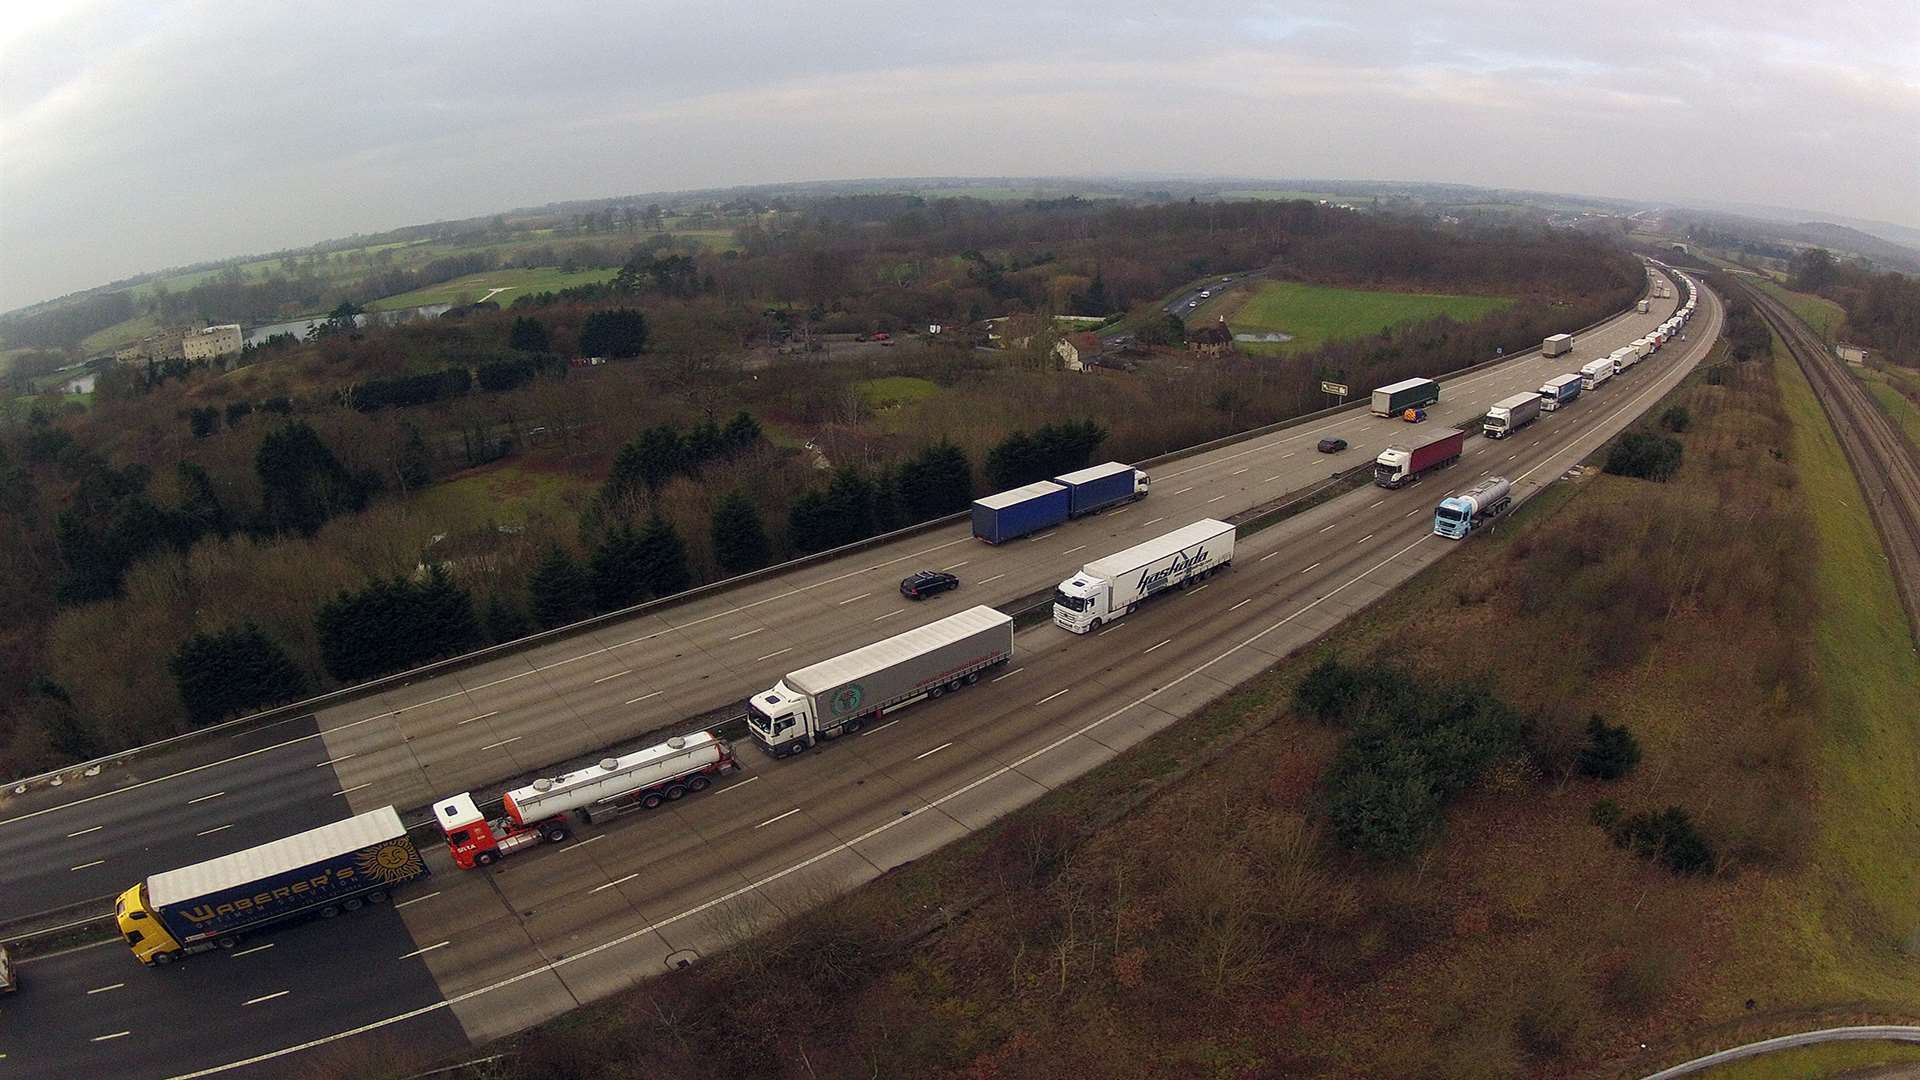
1458	515
545	809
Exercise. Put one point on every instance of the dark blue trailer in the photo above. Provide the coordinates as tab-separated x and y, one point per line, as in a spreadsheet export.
1009	514
1101	486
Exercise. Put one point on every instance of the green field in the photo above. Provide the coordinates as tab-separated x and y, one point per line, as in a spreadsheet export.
1822	314
507	493
119	334
474	287
894	390
1316	314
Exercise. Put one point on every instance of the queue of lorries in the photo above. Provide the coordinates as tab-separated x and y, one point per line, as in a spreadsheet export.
1405	462
339	868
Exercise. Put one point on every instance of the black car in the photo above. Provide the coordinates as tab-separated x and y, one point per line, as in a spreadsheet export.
927	583
1332	446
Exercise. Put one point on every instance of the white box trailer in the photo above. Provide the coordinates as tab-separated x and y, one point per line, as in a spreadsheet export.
1557	345
1108	588
835	697
1509	415
1595	372
1623	358
1641	307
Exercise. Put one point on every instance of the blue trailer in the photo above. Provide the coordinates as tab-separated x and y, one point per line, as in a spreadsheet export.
1559	391
1101	486
1010	514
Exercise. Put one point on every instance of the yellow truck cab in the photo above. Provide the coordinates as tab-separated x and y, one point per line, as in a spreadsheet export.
146	935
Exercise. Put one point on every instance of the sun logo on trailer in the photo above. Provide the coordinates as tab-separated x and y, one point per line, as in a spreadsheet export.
847	700
392	863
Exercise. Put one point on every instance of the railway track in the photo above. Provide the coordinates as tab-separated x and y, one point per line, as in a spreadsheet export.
1888	467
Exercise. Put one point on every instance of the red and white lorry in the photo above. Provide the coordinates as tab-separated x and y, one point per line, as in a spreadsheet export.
545	810
1404	463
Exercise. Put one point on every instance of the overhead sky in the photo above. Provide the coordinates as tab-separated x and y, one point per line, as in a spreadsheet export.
137	135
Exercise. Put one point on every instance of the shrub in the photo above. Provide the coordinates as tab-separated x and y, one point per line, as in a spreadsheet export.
1668	836
1611	751
1646	457
1676	419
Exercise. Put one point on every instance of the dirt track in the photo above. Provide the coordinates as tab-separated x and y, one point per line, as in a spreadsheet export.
1887	466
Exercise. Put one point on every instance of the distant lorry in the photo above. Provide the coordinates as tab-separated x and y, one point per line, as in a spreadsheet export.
1458	515
836	697
1108	588
1559	391
1557	345
1623	358
1595	372
1396	399
213	904
1509	415
545	810
1402	464
1101	486
1008	515
1641	307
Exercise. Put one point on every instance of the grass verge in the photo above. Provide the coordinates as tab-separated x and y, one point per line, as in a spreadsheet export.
1830	1060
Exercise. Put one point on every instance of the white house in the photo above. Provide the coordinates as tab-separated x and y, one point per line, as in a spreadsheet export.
212	342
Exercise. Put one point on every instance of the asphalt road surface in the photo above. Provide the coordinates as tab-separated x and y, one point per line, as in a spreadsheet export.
556	926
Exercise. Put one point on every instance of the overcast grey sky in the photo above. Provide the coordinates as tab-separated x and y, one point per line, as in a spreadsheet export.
138	135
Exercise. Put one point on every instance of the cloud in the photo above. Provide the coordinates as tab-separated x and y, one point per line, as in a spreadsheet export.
137	136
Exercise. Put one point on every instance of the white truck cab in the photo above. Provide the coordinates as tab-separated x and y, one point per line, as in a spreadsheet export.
779	716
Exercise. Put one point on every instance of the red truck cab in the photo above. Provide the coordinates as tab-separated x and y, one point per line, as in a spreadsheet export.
476	841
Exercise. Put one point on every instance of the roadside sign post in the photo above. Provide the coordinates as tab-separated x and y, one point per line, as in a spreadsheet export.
1338	390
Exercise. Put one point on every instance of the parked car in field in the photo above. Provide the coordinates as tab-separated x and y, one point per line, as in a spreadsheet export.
1332	446
928	583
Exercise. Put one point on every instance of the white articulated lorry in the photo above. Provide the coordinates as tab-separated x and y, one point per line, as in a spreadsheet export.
836	697
1108	588
1595	372
1509	415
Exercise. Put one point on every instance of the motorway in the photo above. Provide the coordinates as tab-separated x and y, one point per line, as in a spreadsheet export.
499	950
